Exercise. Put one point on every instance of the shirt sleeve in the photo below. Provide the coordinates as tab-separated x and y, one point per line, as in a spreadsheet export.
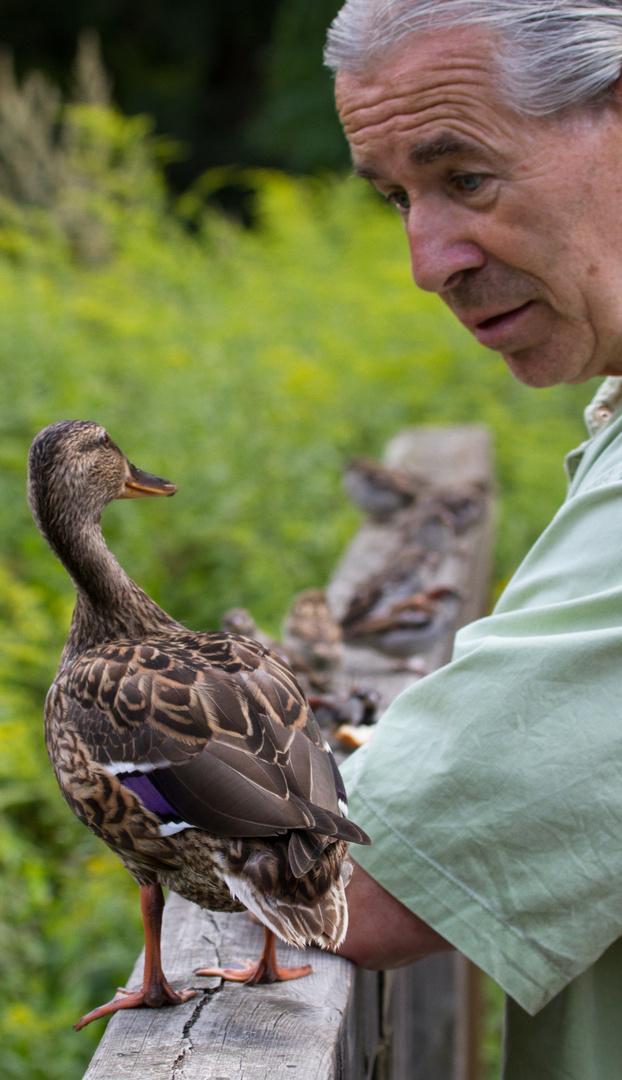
492	788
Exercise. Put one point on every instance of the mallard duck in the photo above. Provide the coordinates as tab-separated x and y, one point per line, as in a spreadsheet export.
311	632
194	756
381	490
383	618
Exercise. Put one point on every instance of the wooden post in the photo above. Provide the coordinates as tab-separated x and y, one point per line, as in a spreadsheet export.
339	1023
430	1026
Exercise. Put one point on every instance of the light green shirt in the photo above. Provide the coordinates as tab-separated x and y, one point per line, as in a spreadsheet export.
492	789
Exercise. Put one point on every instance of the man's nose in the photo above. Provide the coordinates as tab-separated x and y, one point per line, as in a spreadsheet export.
440	251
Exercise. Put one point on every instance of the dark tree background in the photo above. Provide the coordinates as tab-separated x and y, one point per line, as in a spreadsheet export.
236	81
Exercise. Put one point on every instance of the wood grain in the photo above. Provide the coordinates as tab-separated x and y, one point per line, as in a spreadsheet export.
317	1027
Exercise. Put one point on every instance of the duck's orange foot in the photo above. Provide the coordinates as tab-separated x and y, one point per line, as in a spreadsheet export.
257	972
266	970
152	996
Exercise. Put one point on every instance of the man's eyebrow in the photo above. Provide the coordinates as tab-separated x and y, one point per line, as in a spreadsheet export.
365	172
425	153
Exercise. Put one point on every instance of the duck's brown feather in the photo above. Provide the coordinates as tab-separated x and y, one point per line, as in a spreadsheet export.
216	723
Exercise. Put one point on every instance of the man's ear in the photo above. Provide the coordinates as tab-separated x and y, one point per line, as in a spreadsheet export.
617	91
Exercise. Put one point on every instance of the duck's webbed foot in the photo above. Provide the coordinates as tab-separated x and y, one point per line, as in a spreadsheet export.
154	995
264	970
155	990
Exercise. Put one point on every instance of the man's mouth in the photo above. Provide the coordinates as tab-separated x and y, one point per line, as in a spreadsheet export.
491	331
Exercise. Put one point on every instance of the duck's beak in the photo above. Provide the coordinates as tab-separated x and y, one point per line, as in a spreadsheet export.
139	484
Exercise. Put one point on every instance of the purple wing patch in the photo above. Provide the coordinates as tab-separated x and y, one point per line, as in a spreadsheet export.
150	797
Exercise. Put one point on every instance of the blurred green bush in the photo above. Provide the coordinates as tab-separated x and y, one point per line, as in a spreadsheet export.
245	365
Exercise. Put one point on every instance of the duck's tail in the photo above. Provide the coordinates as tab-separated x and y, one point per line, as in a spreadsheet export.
301	910
322	923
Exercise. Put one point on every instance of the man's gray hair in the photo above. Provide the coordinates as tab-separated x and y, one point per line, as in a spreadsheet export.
553	55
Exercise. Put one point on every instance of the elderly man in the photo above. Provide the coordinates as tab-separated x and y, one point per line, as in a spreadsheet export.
493	788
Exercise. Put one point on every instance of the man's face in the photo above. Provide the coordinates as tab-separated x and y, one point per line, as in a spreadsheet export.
516	222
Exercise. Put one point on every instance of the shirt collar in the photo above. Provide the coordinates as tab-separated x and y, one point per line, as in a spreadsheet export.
597	415
603	405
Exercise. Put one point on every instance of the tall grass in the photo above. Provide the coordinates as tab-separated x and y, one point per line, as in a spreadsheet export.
245	366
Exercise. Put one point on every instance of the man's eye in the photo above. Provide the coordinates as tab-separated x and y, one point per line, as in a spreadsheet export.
468	182
399	199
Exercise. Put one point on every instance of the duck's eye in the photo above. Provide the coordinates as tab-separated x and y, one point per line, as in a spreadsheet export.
105	439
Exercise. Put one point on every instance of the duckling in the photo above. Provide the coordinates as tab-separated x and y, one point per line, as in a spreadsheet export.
311	631
381	490
193	756
310	624
238	620
406	626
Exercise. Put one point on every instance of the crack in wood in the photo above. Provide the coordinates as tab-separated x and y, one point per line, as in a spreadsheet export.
208	994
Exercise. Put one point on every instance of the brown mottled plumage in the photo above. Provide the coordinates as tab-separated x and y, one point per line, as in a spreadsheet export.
311	631
194	756
312	648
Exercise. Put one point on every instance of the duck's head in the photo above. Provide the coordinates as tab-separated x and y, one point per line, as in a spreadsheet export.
75	468
238	620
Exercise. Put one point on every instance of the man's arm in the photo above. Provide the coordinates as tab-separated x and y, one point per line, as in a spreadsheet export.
382	932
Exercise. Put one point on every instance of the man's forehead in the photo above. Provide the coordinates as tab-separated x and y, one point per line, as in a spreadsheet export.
460	62
437	94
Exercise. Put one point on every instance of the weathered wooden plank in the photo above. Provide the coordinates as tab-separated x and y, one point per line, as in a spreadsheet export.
323	1026
460	455
470	1025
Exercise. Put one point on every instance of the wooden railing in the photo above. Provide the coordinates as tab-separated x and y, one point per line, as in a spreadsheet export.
340	1023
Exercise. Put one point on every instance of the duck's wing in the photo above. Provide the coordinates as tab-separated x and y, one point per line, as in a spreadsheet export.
213	725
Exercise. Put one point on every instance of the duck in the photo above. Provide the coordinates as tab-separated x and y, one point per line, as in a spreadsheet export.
194	756
311	632
382	490
394	613
410	626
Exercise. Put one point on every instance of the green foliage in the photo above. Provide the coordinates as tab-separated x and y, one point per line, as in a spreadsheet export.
492	1034
68	913
239	82
296	124
245	366
81	161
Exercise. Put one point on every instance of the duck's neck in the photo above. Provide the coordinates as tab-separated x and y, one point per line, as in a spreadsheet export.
109	605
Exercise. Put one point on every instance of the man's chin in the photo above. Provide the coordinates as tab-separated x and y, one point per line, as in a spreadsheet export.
540	367
532	373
